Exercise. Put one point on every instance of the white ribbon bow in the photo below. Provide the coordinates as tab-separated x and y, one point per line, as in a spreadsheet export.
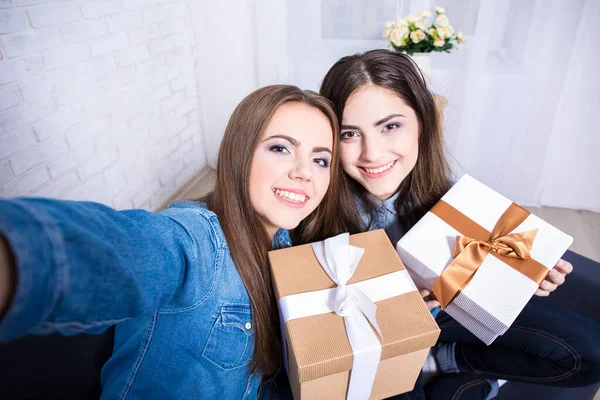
355	303
339	260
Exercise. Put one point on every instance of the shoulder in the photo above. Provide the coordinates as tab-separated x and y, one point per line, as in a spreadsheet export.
197	219
206	254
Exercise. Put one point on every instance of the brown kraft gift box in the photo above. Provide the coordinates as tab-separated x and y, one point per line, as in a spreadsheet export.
318	351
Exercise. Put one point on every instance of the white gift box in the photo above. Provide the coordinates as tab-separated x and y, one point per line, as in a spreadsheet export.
497	293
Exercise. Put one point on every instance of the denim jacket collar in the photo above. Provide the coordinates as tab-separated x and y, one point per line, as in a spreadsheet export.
281	240
390	204
376	217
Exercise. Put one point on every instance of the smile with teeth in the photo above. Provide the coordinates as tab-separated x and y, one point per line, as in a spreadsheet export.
290	196
380	169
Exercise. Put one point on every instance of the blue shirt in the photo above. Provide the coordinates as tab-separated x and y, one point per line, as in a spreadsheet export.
385	216
182	314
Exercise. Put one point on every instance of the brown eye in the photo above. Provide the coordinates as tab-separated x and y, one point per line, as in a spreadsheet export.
321	162
392	126
348	135
279	149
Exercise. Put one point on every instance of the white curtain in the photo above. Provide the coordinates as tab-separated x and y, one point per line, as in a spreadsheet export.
523	91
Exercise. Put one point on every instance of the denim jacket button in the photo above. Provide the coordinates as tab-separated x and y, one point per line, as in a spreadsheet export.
248	325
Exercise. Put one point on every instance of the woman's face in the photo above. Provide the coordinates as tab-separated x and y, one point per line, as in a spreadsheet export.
379	140
290	171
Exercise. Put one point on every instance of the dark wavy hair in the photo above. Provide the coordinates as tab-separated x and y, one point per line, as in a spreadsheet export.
430	178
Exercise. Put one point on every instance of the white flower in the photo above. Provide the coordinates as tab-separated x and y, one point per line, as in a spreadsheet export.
439	43
440	10
417	36
387	32
432	32
395	38
444	33
389	25
398	35
460	38
421	25
442	20
401	23
412	18
425	14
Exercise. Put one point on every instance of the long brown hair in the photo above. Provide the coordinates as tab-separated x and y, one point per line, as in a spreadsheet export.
430	178
246	237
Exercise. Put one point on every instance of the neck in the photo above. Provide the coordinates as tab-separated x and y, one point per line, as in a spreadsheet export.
384	197
271	231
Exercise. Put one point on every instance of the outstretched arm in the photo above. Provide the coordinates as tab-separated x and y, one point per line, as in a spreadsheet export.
81	267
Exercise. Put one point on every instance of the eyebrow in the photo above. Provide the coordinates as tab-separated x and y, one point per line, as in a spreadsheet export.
377	123
386	119
296	143
321	149
290	139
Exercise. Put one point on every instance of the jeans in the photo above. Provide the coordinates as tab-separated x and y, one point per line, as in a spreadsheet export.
547	344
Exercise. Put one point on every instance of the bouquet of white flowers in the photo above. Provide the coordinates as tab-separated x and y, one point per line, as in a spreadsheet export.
413	34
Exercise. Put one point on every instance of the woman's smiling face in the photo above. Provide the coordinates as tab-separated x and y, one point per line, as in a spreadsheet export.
379	140
290	170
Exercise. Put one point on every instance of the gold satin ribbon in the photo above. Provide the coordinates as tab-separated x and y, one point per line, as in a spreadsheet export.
472	248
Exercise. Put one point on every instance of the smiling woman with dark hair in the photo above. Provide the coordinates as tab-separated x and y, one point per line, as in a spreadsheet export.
392	153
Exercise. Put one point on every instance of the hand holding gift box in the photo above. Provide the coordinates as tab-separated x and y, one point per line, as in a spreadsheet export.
354	324
483	256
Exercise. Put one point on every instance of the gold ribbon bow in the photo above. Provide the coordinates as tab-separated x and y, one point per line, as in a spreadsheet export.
472	248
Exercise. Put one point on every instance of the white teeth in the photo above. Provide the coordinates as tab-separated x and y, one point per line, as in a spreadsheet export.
380	169
295	197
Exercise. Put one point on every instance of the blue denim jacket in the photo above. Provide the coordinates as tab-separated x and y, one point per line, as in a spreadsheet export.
184	323
385	217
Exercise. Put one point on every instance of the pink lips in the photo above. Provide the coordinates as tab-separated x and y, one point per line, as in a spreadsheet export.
290	203
379	174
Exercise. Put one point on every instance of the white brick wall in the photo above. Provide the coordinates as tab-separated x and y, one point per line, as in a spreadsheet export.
98	100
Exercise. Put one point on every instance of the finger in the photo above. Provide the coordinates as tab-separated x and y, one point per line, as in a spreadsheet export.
541	293
564	267
556	277
433	304
424	292
548	286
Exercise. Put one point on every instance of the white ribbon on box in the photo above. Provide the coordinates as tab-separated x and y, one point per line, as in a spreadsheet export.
355	303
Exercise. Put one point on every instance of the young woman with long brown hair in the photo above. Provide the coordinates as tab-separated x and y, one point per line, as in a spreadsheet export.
392	155
188	288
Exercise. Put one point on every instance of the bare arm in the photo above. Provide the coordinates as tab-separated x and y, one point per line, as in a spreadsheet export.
7	276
